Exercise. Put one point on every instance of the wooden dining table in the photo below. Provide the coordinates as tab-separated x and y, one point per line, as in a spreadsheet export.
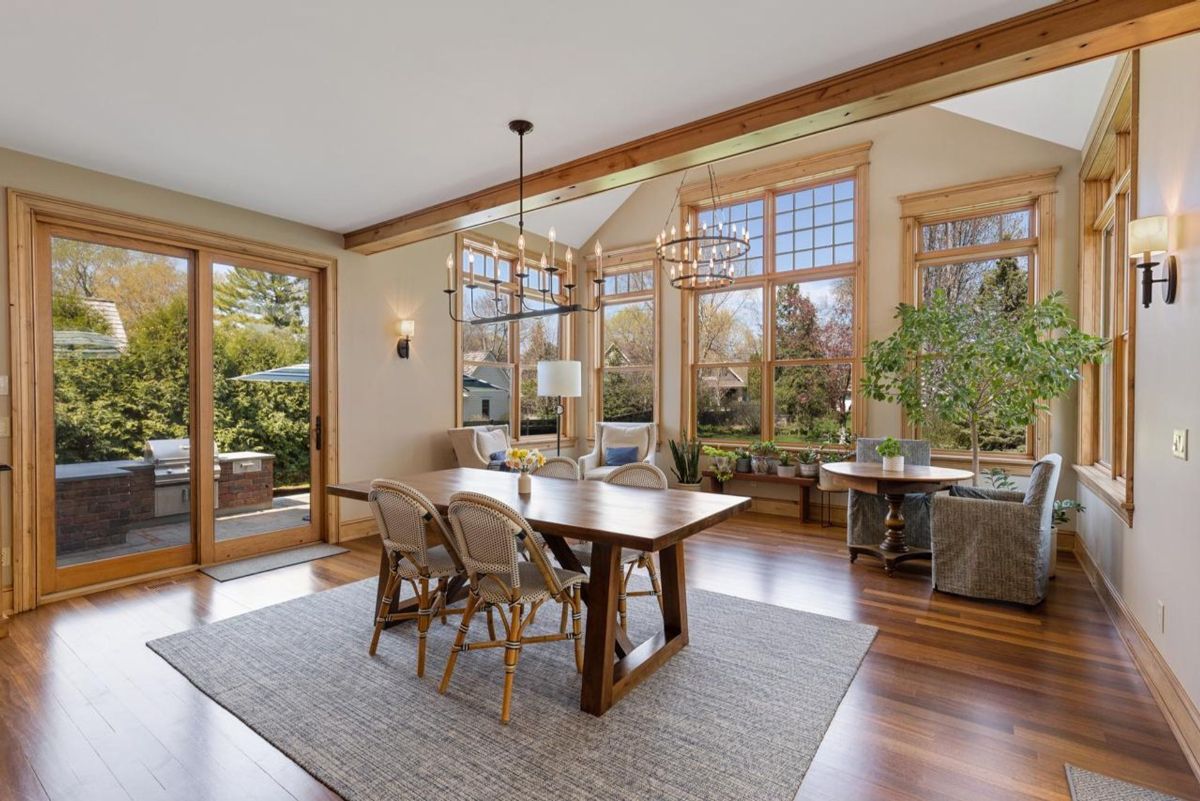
610	517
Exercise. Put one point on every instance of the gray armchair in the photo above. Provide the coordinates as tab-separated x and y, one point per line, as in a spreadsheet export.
995	544
639	435
865	512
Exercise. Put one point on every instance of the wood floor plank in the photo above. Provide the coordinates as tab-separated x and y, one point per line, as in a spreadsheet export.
957	699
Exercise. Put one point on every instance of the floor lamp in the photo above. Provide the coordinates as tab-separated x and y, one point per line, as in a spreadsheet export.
561	379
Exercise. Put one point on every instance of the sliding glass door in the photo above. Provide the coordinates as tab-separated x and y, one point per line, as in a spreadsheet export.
266	430
178	407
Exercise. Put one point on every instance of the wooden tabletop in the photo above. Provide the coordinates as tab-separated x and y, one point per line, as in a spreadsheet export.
645	519
871	477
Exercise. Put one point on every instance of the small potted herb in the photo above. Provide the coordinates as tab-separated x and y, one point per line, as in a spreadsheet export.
723	462
786	467
893	458
810	462
742	465
761	454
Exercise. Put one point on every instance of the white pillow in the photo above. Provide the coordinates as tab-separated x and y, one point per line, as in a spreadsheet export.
625	438
489	442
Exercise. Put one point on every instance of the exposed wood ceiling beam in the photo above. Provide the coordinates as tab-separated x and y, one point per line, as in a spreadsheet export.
1066	33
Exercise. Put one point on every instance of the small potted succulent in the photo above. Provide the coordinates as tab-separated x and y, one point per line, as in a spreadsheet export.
761	454
810	462
742	465
723	462
893	458
786	467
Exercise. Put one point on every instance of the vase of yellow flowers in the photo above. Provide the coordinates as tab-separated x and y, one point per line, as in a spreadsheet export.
524	461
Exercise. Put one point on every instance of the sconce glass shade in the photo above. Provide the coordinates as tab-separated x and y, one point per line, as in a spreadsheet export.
406	328
563	378
1148	235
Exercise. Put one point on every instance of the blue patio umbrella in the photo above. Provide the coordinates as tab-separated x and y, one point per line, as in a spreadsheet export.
292	374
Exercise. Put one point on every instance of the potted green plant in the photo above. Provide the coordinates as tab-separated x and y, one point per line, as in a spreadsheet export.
810	462
722	462
686	456
997	363
742	465
761	454
786	467
893	458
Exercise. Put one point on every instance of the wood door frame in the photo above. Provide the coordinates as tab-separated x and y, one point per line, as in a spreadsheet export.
28	212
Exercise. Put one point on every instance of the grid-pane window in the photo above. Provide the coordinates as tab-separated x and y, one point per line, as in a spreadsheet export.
776	355
746	215
626	365
499	360
976	260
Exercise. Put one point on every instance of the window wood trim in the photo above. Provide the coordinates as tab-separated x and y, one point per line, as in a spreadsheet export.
1036	191
30	214
630	259
566	333
851	162
1108	195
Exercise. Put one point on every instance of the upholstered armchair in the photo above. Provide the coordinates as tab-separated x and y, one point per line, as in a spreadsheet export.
995	544
473	445
865	512
617	435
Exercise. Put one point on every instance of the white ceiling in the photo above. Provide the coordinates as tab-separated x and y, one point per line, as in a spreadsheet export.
575	221
340	114
1057	106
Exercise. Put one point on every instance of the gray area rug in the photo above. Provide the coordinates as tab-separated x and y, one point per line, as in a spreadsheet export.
270	561
1088	786
738	714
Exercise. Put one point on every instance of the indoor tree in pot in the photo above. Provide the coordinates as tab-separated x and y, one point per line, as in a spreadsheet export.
686	456
991	362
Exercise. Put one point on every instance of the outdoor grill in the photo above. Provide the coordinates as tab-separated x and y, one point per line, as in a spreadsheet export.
172	470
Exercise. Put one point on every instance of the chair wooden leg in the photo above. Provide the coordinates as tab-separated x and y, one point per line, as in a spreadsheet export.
562	623
459	640
577	624
491	623
512	652
424	614
623	602
443	593
654	582
385	604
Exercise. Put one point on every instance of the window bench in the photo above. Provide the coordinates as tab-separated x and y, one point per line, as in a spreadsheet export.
800	482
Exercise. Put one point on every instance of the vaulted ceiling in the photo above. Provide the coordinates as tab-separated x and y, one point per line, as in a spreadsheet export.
342	114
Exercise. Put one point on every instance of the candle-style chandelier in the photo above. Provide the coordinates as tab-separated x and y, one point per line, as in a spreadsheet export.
702	259
544	293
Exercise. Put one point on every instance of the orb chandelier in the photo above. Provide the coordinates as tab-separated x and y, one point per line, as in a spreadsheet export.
546	303
702	259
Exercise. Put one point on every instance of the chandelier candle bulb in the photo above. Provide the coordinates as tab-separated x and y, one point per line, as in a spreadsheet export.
450	271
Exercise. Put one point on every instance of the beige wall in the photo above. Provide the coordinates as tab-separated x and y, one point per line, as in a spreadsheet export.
916	150
1156	559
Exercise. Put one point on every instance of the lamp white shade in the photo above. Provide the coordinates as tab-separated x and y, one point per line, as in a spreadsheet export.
406	328
563	378
1148	235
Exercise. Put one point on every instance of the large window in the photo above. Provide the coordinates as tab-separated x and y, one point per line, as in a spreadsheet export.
1107	299
625	380
776	355
983	243
498	377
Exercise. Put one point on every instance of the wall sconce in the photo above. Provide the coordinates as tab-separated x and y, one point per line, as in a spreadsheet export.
405	330
1148	239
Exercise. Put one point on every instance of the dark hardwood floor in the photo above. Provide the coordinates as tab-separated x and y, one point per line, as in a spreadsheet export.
956	700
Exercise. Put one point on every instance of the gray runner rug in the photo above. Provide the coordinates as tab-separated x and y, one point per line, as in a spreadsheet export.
1088	786
261	564
738	714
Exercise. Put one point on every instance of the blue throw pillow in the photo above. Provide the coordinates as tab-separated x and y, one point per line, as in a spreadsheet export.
615	457
496	462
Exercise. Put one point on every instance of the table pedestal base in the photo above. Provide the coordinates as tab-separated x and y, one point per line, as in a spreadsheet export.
894	549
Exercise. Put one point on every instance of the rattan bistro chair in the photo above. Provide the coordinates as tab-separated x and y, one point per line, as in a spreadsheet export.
647	476
402	514
487	533
559	467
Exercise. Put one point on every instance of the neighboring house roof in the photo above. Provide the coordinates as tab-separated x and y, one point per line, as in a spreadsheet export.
108	310
726	378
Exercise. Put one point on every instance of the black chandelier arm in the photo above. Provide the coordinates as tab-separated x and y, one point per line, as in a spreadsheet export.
450	305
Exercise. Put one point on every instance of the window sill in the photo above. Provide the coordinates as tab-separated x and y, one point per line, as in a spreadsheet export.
543	439
1016	464
1113	491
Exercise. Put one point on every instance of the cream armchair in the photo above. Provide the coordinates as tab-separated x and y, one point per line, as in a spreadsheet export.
617	435
468	448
